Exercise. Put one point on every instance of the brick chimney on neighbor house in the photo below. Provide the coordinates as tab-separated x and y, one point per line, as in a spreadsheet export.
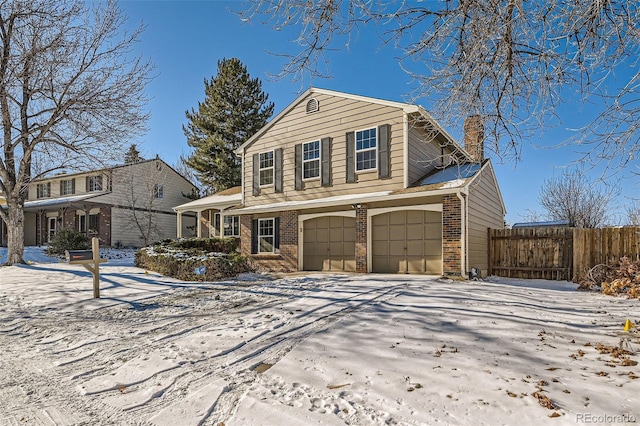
474	137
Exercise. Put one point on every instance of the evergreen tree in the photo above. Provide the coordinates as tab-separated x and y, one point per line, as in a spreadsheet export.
132	155
235	108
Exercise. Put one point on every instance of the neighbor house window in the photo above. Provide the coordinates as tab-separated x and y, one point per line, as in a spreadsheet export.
266	235
67	187
311	160
44	190
158	191
266	168
366	149
231	226
94	183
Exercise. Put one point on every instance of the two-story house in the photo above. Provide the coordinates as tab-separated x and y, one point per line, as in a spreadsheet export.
340	182
124	205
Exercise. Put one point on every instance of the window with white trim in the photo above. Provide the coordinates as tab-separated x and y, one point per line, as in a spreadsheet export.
366	149
231	226
266	235
311	160
158	191
94	183
266	168
44	190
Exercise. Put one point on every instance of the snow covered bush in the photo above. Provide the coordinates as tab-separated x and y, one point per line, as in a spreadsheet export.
620	277
194	259
67	239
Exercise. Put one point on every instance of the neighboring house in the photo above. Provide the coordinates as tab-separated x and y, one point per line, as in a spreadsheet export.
123	205
340	182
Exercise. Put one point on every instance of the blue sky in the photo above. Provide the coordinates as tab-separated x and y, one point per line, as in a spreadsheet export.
185	39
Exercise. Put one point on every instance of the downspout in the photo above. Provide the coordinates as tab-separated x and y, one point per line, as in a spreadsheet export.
405	147
463	234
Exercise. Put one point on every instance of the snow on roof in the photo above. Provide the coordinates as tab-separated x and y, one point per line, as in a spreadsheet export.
452	176
548	223
219	200
46	202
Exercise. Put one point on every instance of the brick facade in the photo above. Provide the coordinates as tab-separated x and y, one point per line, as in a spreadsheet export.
287	259
361	238
451	235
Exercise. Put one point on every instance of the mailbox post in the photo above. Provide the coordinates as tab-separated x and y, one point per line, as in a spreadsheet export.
90	259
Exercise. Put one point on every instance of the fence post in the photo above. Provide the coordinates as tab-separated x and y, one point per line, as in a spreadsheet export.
489	252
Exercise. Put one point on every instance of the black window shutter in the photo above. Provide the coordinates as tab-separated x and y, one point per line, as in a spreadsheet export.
61	182
216	224
298	167
325	148
254	236
351	154
384	158
256	174
278	170
276	236
73	186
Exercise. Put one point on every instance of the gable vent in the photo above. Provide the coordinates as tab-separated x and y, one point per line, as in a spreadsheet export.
312	105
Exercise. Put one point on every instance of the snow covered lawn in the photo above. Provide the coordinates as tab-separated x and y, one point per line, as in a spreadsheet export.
309	349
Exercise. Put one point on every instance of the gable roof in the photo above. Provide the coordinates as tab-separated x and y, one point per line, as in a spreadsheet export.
417	111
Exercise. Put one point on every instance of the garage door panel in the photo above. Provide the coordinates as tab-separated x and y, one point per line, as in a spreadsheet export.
415	232
433	230
350	234
433	265
415	248
397	218
350	265
397	232
415	265
380	233
415	217
433	248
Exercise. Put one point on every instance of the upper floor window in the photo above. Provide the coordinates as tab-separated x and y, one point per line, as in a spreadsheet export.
311	160
158	191
94	183
366	143
44	190
266	168
67	187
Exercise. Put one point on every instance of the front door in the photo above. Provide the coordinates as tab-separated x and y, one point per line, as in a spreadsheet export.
51	228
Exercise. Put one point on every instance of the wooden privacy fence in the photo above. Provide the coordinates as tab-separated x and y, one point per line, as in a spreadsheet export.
558	253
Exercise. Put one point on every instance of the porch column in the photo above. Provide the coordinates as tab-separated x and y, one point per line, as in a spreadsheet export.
179	232
199	222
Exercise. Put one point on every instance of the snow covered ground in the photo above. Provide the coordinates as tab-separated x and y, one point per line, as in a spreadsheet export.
308	349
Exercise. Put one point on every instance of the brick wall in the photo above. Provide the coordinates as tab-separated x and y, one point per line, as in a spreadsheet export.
451	235
104	231
361	238
287	259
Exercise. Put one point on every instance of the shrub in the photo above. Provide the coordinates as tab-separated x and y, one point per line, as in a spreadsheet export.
193	259
620	277
67	239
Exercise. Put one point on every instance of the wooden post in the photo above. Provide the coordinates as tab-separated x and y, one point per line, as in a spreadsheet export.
95	248
91	264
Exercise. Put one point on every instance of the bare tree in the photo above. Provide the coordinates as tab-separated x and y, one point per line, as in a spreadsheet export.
140	187
70	94
513	62
574	198
633	213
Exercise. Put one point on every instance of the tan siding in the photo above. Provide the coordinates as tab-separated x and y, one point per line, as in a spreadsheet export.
165	227
425	154
485	211
336	117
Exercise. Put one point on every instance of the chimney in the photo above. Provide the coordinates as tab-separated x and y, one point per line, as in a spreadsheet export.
474	137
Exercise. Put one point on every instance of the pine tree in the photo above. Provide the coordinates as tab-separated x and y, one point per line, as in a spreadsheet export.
235	108
132	155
